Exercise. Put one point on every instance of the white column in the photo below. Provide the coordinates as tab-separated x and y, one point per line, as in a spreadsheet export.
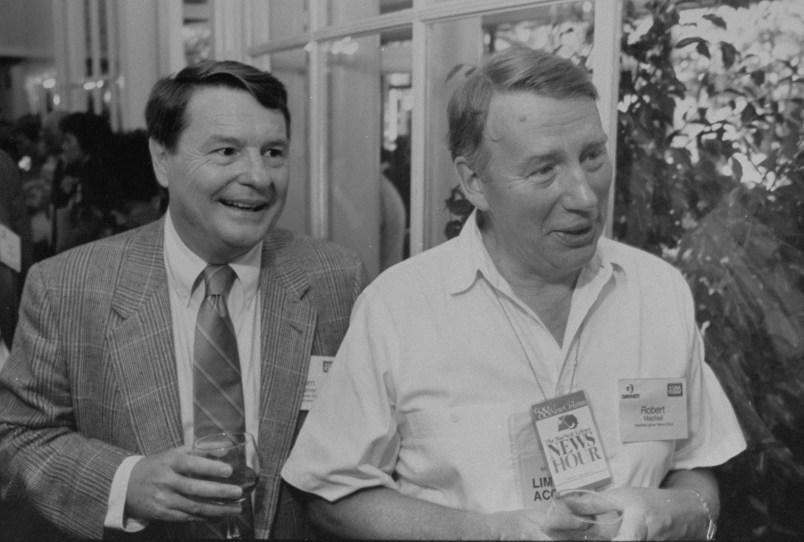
69	48
606	76
95	55
448	45
170	15
149	45
230	30
355	137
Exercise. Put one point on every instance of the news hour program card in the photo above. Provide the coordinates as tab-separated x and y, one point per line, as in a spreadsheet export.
571	442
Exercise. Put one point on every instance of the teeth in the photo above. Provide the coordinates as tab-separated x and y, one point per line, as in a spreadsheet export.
241	205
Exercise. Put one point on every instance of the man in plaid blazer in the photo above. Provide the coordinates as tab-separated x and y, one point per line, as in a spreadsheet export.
94	428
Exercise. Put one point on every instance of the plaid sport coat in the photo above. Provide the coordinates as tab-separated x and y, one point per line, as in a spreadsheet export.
92	374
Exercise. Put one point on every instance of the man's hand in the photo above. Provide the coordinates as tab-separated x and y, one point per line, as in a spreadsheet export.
649	513
169	486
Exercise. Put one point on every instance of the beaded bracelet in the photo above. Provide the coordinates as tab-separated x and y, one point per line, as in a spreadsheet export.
711	526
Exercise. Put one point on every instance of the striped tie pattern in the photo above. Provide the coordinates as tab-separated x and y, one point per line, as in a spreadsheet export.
218	393
218	389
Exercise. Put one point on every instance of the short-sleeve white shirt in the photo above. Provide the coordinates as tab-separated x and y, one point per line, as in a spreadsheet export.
441	363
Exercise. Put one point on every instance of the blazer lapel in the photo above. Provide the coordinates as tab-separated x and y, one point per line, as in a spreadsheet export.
141	344
288	329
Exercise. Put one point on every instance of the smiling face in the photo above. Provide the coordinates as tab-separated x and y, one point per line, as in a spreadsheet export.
544	184
228	175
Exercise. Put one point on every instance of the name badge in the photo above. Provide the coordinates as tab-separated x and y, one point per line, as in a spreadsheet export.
653	409
316	375
10	252
571	442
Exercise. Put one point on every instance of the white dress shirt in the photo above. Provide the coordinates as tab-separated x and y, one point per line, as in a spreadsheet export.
431	388
186	289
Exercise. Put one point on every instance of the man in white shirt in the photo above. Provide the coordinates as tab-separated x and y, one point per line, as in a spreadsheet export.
96	399
425	428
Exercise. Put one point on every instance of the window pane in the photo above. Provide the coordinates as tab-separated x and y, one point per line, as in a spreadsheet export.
345	11
290	67
369	106
565	29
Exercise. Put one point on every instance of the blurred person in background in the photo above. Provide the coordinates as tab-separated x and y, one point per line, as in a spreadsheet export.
81	191
15	249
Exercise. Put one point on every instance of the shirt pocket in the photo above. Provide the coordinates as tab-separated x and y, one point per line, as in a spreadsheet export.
463	453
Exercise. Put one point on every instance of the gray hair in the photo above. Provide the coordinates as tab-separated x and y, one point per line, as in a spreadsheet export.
518	68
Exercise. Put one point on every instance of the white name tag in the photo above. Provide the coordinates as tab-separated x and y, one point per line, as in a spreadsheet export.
10	248
571	442
316	375
653	409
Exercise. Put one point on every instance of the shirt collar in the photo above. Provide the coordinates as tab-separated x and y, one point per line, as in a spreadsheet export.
474	261
184	266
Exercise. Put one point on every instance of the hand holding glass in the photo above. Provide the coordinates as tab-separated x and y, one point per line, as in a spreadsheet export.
239	451
582	514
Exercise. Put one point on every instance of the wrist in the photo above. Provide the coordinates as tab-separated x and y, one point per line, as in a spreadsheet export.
711	520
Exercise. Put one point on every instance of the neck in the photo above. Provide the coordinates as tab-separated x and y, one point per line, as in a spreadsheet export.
549	298
550	301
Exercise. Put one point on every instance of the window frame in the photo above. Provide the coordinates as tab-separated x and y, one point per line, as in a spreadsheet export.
420	18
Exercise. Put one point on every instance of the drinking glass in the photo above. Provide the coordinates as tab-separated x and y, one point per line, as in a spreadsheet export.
566	520
238	450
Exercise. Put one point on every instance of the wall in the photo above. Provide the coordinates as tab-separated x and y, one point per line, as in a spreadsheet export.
26	42
26	28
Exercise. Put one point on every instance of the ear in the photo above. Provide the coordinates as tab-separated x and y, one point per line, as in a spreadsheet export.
472	185
159	155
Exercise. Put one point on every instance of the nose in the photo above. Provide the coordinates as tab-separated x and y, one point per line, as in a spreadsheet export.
256	171
578	193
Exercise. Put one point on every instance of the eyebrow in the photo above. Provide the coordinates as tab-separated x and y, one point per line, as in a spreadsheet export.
220	139
277	142
235	141
556	155
601	141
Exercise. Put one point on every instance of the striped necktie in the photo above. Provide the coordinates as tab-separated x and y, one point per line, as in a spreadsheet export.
218	393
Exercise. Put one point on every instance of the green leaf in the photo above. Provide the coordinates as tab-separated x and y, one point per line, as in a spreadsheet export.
715	20
689	41
758	77
748	114
729	54
736	170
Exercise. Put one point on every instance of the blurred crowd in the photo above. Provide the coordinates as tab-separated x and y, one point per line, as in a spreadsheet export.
81	180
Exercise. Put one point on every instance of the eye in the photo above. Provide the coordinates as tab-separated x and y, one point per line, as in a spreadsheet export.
543	173
275	156
226	152
595	157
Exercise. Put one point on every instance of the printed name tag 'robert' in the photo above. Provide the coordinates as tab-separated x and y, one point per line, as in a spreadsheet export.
653	409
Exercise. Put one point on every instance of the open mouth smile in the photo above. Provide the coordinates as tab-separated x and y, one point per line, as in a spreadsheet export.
242	206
